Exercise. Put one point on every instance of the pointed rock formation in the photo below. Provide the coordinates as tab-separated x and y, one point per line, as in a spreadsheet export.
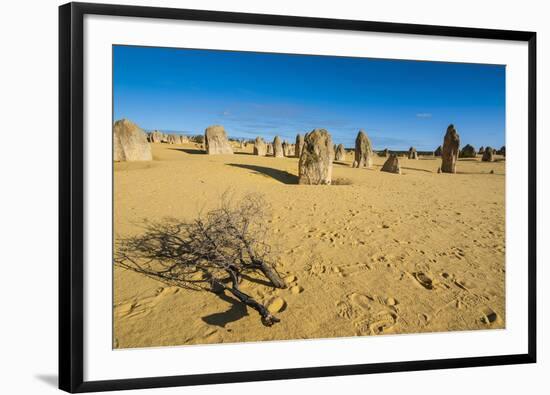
315	165
130	142
481	150
468	151
437	151
449	153
340	153
502	151
278	148
269	149
412	153
392	165
216	142
488	155
363	150
260	147
286	148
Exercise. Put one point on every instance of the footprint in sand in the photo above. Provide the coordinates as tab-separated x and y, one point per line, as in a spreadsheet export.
371	315
378	324
345	310
425	280
362	301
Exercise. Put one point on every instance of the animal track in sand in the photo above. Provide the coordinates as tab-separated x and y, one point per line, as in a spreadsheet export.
316	269
143	307
458	253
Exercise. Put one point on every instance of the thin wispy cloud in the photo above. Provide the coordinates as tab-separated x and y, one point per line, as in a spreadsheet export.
424	115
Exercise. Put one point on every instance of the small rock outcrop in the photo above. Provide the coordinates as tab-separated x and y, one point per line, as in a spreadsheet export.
392	165
286	148
216	142
468	151
315	165
437	151
449	153
270	149
502	151
278	147
155	137
363	150
412	153
299	145
173	139
384	153
340	153
481	150
488	155
130	142
260	148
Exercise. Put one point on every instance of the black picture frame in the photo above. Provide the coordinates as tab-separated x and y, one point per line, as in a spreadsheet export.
71	198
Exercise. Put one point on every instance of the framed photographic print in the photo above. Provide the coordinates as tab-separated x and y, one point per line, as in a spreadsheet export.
239	188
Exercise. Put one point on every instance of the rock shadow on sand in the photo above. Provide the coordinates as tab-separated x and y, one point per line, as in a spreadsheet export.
416	169
280	175
191	151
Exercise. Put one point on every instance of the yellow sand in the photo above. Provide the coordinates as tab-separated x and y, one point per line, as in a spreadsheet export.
380	254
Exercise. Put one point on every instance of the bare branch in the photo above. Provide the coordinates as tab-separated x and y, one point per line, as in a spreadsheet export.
204	254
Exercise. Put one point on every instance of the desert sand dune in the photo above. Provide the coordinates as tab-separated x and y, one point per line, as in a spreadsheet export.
376	253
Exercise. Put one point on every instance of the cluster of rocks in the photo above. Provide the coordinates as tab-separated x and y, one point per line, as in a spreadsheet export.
160	137
288	149
277	148
315	150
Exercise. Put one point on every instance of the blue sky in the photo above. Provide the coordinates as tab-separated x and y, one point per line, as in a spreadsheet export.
398	103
